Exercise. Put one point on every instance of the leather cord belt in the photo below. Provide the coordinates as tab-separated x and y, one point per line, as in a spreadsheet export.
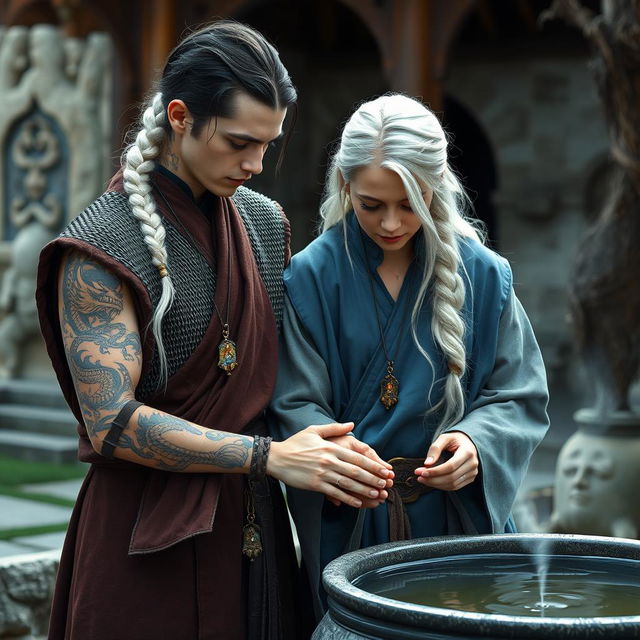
118	425
406	489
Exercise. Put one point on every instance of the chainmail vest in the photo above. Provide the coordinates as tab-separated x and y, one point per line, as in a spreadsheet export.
108	224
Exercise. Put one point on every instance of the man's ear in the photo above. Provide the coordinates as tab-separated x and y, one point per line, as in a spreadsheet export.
180	118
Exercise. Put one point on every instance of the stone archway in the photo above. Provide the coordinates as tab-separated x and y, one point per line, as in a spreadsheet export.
413	36
400	45
335	63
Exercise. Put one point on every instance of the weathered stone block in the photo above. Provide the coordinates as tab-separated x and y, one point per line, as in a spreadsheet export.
26	590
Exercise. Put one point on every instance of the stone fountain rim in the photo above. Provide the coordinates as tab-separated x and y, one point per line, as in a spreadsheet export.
339	574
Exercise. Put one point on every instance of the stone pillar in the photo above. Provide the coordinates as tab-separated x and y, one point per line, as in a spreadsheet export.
55	146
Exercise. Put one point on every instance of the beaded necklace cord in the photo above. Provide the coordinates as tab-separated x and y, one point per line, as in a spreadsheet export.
390	385
227	349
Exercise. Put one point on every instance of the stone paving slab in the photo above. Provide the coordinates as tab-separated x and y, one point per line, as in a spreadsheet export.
38	447
12	549
67	489
42	542
16	512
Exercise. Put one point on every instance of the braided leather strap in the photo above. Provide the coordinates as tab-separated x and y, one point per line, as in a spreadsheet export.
260	454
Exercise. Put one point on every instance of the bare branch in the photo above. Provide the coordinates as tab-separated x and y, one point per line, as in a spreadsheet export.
571	11
591	24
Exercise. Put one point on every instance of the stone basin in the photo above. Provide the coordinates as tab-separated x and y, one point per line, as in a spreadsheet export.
356	611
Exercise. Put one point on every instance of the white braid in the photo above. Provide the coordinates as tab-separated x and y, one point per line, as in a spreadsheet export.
442	261
446	323
138	164
400	134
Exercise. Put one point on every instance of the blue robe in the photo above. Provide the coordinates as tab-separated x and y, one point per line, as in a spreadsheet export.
332	363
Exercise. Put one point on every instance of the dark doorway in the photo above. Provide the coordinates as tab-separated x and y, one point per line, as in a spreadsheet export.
471	156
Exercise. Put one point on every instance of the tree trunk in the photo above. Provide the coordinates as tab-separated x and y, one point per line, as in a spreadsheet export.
605	287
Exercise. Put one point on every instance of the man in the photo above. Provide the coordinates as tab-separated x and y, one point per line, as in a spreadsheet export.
159	305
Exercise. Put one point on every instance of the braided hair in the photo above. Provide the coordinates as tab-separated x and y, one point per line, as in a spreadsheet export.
206	71
399	133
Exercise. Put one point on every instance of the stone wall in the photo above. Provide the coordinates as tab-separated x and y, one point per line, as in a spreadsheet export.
543	120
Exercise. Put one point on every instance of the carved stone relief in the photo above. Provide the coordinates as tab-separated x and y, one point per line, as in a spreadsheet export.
55	141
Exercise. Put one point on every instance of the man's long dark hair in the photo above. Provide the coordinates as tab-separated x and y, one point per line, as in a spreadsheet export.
206	71
211	65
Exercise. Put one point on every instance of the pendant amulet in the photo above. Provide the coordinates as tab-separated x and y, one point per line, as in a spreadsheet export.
227	356
251	541
389	391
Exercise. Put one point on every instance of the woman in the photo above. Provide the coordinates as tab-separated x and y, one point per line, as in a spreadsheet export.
159	305
398	318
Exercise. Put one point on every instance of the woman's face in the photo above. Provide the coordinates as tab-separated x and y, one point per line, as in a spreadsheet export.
380	203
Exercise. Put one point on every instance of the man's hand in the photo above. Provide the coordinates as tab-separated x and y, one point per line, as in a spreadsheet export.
350	442
309	460
457	472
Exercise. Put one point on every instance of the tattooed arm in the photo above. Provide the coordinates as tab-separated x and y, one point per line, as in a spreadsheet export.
102	344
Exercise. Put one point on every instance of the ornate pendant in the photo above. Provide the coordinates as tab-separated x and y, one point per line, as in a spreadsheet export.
227	352
389	388
251	541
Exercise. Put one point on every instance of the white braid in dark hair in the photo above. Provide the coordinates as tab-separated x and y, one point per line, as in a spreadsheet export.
139	162
400	134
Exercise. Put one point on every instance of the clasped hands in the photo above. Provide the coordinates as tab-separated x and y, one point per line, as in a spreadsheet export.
326	459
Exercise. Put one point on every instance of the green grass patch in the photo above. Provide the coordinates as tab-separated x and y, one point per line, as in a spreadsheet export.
37	497
16	472
8	534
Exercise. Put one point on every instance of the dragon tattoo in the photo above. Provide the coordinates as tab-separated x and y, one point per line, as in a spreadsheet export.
93	299
151	438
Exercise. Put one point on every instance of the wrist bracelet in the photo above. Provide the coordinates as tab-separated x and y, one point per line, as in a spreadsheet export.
259	456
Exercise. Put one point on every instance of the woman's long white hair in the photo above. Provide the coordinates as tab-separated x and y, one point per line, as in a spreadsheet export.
399	133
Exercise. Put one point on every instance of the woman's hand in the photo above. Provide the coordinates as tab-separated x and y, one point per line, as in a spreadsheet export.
309	460
458	471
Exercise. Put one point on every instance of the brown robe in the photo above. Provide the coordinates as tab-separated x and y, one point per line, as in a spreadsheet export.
152	554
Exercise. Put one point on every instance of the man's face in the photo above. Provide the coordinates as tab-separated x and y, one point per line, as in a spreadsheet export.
228	151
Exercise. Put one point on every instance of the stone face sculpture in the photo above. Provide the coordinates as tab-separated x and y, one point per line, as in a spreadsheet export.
55	134
597	480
